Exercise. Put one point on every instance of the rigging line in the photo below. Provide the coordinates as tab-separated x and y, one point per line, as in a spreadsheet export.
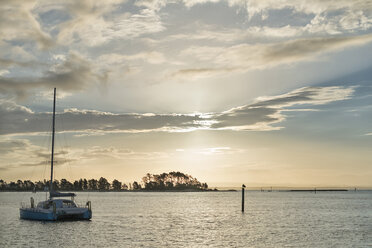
62	144
49	140
64	140
41	149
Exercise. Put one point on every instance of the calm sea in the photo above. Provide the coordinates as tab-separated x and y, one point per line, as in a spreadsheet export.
200	219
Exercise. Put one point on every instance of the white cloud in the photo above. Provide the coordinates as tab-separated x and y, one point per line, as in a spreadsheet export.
191	3
3	72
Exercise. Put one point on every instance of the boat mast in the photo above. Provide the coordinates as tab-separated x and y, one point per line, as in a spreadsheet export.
53	130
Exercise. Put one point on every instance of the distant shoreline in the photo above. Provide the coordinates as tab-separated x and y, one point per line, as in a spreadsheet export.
315	190
191	190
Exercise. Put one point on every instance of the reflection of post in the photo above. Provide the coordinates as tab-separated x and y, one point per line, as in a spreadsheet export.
243	186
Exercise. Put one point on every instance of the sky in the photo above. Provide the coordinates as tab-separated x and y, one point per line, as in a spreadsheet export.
260	92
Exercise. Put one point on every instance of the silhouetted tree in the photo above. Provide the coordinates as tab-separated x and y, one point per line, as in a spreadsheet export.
56	185
172	180
28	185
93	184
103	184
136	186
85	184
116	185
80	186
2	184
125	187
66	185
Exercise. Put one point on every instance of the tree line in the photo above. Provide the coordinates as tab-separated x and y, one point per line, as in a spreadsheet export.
165	181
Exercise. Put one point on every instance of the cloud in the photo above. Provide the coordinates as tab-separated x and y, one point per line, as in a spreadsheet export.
74	74
197	73
3	72
266	111
152	57
95	152
89	23
18	23
14	151
75	120
245	57
10	63
258	116
95	23
191	3
305	48
323	17
257	7
212	151
327	16
7	146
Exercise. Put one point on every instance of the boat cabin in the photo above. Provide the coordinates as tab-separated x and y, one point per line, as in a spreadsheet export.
59	203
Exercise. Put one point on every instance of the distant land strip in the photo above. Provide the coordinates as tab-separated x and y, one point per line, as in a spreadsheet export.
312	190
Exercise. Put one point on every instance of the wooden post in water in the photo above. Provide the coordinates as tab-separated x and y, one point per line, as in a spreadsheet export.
243	186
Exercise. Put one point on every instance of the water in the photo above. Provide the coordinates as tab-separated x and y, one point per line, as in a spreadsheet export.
200	219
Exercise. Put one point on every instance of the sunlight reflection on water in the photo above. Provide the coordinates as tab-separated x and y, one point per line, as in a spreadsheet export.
200	219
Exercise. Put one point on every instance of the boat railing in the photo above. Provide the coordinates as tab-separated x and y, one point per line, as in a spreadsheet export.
78	204
81	205
25	205
29	207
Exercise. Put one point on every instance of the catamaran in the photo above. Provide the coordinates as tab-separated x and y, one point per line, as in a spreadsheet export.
55	208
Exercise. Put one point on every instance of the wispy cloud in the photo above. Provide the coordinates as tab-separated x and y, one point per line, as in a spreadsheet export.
259	56
14	153
211	151
152	57
116	153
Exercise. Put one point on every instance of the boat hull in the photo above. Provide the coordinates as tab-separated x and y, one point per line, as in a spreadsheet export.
41	214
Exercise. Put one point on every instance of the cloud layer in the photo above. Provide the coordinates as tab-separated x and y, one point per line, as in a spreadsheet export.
260	115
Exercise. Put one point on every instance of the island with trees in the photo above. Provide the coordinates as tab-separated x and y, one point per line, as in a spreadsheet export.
172	181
